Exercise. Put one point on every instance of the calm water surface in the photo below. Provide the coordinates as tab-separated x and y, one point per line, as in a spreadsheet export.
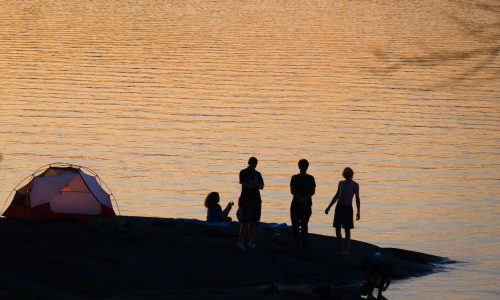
168	99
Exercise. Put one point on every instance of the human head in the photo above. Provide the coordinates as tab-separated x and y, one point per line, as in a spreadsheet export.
348	173
303	165
212	199
252	162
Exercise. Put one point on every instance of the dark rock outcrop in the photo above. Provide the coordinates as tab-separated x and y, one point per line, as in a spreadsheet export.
155	258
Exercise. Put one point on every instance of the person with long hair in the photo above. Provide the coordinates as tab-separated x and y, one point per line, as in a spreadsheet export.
214	210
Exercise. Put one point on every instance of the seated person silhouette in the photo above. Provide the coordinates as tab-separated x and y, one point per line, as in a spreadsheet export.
214	210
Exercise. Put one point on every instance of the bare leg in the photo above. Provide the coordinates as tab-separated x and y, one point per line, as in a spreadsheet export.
295	227
305	231
347	241
338	232
243	232
251	233
379	294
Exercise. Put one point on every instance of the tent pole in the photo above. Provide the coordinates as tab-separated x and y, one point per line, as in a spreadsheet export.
5	202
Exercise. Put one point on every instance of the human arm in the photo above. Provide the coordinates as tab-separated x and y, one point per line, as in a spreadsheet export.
293	190
334	199
250	184
313	188
312	192
260	182
358	202
299	196
250	181
302	189
259	186
226	210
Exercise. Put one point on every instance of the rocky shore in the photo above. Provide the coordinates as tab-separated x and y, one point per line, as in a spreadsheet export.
158	258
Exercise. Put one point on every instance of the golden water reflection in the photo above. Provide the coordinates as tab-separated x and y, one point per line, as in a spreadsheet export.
168	99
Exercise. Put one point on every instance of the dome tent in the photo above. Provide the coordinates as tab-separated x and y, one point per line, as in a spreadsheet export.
61	192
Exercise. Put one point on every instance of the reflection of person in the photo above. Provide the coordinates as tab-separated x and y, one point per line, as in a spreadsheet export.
249	203
341	292
214	210
377	271
346	190
302	187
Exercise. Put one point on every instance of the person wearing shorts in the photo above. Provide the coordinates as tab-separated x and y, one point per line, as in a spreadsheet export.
249	204
343	218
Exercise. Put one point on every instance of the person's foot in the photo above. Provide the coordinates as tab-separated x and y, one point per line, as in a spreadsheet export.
240	246
251	246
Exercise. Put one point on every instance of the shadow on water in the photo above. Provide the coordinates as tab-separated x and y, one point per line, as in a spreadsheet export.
487	34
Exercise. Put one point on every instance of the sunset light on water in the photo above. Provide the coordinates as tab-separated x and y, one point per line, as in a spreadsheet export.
167	101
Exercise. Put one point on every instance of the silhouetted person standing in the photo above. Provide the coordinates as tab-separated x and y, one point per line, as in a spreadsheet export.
250	203
302	187
346	190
